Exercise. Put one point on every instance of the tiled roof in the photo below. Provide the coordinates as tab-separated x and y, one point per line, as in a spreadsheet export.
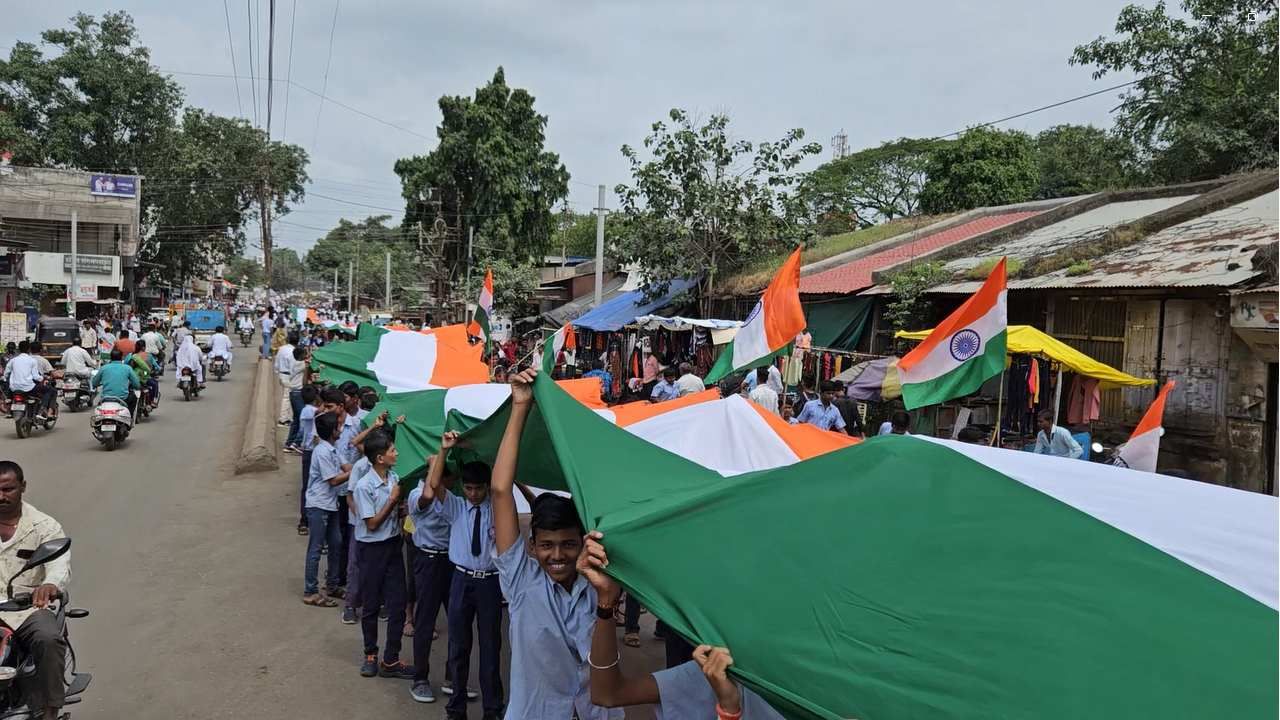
856	275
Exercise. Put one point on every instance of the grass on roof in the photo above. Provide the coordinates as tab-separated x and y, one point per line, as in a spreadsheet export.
757	274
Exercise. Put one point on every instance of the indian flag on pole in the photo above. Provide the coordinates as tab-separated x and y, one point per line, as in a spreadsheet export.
562	340
777	318
479	325
1143	448
962	351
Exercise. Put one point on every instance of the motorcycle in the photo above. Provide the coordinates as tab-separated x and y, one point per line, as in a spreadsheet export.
26	413
246	338
111	423
188	385
17	669
218	366
75	393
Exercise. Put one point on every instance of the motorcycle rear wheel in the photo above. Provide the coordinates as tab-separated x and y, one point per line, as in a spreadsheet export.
186	393
110	442
23	426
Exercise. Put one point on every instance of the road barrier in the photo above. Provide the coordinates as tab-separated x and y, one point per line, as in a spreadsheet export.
258	451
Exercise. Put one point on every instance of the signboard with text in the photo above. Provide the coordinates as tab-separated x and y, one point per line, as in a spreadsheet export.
86	291
13	327
97	264
113	185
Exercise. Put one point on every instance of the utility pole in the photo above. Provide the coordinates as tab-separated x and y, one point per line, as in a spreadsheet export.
599	293
335	283
271	53
351	299
388	280
73	290
471	239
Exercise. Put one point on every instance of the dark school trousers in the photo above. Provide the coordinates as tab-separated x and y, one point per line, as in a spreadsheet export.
381	581
480	600
432	577
302	494
346	532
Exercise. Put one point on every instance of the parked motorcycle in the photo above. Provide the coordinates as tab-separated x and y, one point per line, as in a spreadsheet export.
188	385
110	423
26	413
218	366
17	668
246	338
75	393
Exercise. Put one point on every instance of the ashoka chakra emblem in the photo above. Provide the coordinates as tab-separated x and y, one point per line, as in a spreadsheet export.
965	344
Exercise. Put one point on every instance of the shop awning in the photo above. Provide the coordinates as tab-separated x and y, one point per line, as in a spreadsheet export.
614	314
1026	340
681	324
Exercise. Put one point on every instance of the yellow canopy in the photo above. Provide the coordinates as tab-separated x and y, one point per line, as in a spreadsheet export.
1026	340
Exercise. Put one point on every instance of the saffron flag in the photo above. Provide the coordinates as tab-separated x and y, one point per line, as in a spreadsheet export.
777	318
1143	448
562	340
479	325
962	351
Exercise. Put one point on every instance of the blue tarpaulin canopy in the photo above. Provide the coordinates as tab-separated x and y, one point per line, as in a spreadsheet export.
612	315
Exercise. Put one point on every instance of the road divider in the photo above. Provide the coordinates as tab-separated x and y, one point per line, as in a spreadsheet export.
258	450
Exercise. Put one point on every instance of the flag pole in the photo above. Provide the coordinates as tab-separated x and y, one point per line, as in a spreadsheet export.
995	437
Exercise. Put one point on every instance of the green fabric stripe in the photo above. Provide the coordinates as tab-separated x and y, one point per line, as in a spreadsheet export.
898	579
341	361
965	379
718	371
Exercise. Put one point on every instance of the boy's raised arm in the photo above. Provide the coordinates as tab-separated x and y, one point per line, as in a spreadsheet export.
506	523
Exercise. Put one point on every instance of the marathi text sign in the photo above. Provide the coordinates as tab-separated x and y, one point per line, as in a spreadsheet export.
98	264
113	185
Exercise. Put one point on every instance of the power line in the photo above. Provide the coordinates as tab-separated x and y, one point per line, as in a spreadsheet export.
248	12
288	81
324	86
227	12
1039	109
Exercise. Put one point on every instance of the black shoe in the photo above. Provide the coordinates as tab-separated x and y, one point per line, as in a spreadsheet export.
455	716
369	667
397	670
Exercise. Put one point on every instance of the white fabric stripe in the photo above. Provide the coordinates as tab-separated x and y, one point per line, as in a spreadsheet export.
940	362
1227	534
405	361
486	300
476	401
608	415
751	342
1141	452
727	436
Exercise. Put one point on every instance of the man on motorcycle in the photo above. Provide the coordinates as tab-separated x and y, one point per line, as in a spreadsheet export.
30	373
180	333
155	345
146	368
220	345
78	363
189	356
117	381
22	529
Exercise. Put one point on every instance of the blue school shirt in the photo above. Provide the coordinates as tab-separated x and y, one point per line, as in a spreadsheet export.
550	633
361	468
664	391
371	493
347	450
461	516
307	423
324	465
823	416
685	694
430	528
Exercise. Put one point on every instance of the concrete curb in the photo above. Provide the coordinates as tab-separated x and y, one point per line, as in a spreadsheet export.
258	449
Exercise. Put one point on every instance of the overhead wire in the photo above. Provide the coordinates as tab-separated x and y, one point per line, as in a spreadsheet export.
288	82
253	85
232	47
271	59
324	85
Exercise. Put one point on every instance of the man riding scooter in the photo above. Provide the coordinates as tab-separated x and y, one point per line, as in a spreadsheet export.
28	372
220	345
146	368
118	381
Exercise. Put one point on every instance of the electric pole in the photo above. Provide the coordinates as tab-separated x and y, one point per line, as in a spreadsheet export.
599	293
388	280
351	299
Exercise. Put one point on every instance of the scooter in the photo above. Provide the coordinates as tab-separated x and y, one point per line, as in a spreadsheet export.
218	366
246	338
17	669
75	393
188	385
26	413
110	423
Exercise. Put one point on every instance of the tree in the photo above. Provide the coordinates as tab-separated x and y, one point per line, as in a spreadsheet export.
243	271
366	244
287	270
1080	159
1205	103
982	167
910	309
491	171
870	186
575	234
703	204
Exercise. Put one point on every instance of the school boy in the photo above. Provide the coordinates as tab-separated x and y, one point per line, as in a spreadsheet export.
321	506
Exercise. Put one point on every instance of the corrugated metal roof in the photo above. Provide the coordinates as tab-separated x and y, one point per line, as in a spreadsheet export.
856	275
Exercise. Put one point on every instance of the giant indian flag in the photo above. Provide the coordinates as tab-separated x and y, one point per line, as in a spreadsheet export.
395	361
907	578
479	325
777	318
1143	448
963	351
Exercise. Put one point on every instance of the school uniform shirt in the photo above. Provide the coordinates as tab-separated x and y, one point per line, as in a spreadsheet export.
461	515
307	423
371	495
361	468
664	391
430	528
1059	443
550	634
685	694
823	416
347	450
324	465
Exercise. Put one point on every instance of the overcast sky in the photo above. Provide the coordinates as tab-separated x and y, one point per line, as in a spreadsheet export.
604	71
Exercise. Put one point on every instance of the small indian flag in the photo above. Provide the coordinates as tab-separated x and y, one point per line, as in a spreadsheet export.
963	351
777	318
1143	448
562	340
479	325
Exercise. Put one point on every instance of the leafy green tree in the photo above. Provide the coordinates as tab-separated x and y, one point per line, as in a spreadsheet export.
490	171
702	204
982	167
909	308
1205	103
243	271
366	243
1079	159
575	234
870	186
287	270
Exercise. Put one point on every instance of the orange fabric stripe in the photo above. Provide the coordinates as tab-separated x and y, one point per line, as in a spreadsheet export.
488	281
783	314
313	317
805	440
585	391
457	360
1155	414
634	412
975	307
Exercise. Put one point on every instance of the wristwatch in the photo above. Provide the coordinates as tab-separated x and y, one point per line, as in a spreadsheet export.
604	613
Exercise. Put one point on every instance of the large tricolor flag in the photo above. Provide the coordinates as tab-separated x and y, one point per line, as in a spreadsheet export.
777	318
395	361
963	351
1143	448
479	325
562	340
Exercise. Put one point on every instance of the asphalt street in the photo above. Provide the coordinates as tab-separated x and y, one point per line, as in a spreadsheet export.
193	575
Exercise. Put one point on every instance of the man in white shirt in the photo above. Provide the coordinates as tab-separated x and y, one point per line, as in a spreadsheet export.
28	372
775	380
89	337
220	345
284	368
78	363
763	394
688	383
156	344
267	326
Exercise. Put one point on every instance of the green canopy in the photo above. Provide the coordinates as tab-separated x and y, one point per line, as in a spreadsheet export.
837	323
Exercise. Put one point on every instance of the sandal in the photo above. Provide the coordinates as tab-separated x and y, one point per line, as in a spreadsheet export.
631	640
336	592
319	600
303	530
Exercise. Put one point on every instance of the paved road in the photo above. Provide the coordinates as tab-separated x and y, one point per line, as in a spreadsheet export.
193	576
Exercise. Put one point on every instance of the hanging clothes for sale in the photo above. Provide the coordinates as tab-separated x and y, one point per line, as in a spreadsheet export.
1083	401
1033	384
